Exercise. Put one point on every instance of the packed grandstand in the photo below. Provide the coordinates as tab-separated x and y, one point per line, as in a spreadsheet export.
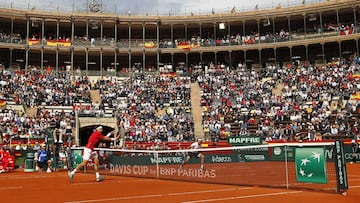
287	75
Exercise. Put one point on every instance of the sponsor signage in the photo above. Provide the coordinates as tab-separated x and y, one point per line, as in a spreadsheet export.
278	153
169	165
152	171
209	158
223	159
77	157
340	166
245	140
167	160
310	165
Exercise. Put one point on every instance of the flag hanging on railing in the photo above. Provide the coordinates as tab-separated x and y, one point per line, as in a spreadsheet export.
2	103
149	45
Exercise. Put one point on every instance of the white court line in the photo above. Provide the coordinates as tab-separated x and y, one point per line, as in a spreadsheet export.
9	188
29	177
89	183
106	181
135	181
356	186
243	197
352	179
158	195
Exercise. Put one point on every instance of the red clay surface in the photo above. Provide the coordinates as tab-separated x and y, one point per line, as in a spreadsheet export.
19	186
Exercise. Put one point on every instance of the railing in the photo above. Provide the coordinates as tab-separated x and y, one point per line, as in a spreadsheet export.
150	43
113	73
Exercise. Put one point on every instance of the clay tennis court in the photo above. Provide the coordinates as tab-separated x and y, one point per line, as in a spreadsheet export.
54	187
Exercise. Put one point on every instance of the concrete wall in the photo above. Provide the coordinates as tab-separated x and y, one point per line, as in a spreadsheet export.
87	121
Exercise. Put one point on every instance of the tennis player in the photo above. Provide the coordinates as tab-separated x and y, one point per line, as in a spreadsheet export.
95	138
197	154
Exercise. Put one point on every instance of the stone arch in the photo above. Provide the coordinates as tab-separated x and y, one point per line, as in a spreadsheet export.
87	121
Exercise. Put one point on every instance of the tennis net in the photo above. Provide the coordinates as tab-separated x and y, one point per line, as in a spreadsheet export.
314	166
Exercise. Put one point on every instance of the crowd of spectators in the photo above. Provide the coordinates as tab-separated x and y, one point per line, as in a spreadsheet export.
39	90
151	108
34	88
311	102
7	38
292	102
17	125
239	101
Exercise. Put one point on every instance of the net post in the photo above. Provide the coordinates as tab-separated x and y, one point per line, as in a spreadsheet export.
340	167
156	154
69	158
286	167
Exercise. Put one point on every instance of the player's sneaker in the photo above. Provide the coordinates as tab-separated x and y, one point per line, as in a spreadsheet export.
100	178
71	176
202	169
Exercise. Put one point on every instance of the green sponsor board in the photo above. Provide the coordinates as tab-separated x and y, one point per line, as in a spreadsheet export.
147	160
248	156
245	140
278	153
243	156
146	165
310	165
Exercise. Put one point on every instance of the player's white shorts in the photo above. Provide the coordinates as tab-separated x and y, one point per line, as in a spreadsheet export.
89	154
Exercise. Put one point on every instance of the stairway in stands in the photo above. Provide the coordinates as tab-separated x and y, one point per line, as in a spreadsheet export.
31	111
95	96
196	110
277	90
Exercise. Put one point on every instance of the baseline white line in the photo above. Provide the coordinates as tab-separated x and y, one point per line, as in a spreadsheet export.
29	177
356	186
158	195
135	181
354	179
9	188
119	181
89	183
243	197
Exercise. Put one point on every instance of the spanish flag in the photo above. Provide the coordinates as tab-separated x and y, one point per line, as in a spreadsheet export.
149	45
356	75
195	46
2	103
33	42
52	43
183	45
355	96
63	43
60	43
